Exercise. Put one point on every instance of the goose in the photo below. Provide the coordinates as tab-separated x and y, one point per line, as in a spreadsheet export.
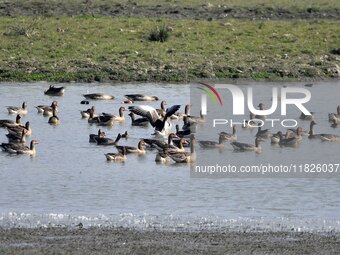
261	108
334	123
127	101
181	115
247	147
161	126
189	126
231	137
11	123
54	91
275	138
18	148
120	117
140	149
98	96
138	122
179	148
18	129
155	143
116	156
288	141
332	116
100	120
250	123
86	114
93	137
213	144
161	112
195	119
176	142
45	109
107	141
54	120
295	133
307	117
17	138
18	110
311	134
182	133
184	157
263	133
141	97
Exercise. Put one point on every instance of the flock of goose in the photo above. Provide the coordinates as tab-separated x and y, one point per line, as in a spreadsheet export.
175	148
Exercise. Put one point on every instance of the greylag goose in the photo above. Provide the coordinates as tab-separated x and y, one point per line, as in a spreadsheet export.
213	144
288	141
275	138
179	148
155	143
332	116
54	120
181	115
11	123
93	137
17	138
231	137
140	149
107	141
98	96
263	133
196	119
247	147
189	126
18	110
141	97
55	91
127	101
185	144
260	117
119	118
182	133
250	123
184	157
86	114
18	129
116	156
45	109
161	125
330	137
138	122
311	134
18	148
306	117
162	157
100	120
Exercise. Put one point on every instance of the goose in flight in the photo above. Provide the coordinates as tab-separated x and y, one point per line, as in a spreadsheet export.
160	125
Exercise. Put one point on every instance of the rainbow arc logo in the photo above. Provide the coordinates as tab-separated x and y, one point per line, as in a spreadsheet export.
211	92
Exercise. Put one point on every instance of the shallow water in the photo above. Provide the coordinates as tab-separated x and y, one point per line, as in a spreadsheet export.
69	180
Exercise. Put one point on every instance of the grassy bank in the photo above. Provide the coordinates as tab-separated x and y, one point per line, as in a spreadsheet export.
87	48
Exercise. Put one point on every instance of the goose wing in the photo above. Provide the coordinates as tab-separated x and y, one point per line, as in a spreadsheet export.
170	111
146	111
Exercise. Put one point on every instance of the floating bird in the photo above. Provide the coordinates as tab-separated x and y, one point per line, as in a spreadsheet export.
11	123
263	133
231	137
54	120
138	122
161	112
93	137
107	141
100	120
116	156
47	110
288	141
155	143
184	157
213	144
260	117
182	133
330	137
140	149
98	96
18	110
17	138
306	117
86	114
125	135
18	129
336	116
141	97
119	118
18	148
247	147
334	123
54	91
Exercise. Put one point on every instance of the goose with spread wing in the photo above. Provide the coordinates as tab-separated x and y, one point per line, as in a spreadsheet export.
161	125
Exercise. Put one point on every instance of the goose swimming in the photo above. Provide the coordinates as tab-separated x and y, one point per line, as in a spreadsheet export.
119	118
93	137
184	157
17	138
213	144
247	147
288	141
231	137
141	97
54	120
182	133
98	96
140	149
101	140
47	110
138	122
86	114
11	123
18	129
116	156
18	110
332	116
307	117
55	91
263	133
155	143
18	148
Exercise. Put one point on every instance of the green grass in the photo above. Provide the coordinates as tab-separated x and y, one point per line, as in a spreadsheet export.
104	48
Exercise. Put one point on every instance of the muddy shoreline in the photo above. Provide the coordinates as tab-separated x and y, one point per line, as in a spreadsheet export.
203	12
126	241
